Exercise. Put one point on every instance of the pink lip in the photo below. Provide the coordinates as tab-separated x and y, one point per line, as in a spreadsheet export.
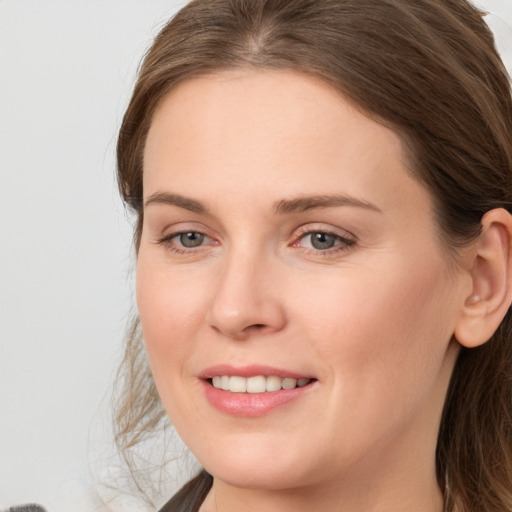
251	404
250	371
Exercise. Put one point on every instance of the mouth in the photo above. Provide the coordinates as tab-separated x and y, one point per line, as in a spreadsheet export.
254	391
257	383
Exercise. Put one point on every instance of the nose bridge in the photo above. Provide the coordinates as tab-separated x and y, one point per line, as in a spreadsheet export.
245	301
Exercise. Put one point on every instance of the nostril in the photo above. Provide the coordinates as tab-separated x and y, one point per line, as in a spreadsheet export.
256	328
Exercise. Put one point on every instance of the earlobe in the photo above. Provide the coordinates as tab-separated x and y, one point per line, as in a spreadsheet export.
491	274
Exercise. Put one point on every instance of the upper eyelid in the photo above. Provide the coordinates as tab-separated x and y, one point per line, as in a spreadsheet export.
343	240
331	230
185	227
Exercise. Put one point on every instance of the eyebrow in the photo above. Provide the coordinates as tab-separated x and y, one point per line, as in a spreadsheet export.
176	200
283	206
301	204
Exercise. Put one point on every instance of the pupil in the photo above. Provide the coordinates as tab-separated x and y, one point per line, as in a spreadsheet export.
322	241
191	239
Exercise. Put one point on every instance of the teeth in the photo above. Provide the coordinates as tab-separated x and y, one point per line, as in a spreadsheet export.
274	383
237	384
257	384
289	383
224	383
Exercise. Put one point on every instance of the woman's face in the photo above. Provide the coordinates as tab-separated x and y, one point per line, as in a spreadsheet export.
286	244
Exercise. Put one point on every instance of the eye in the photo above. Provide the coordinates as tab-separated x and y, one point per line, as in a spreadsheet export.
322	241
190	239
184	242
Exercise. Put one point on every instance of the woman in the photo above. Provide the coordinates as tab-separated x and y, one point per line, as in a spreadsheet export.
324	255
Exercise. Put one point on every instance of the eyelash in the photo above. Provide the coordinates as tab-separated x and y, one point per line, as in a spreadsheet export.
167	241
342	243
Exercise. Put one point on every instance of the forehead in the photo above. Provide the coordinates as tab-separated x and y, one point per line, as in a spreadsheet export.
250	103
270	131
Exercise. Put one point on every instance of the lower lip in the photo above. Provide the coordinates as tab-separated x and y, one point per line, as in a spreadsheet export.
252	404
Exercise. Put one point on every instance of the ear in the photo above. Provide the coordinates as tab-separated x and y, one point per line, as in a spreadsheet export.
491	275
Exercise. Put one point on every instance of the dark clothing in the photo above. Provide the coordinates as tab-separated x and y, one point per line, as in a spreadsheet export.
31	507
191	496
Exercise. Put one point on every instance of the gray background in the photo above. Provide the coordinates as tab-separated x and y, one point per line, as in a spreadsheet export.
66	70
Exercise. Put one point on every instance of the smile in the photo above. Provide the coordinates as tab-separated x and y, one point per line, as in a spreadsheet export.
255	390
256	384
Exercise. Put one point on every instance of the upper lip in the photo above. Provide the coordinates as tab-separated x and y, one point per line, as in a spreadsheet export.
252	370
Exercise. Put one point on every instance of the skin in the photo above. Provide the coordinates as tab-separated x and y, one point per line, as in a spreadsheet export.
372	320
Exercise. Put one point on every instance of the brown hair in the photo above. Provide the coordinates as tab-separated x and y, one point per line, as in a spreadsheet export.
429	70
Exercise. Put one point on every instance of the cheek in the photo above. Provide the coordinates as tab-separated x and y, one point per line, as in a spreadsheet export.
388	326
169	302
170	310
382	338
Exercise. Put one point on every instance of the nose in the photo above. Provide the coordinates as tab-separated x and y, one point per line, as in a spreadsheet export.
248	299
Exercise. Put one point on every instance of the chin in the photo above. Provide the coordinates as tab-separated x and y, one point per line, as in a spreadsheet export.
258	464
268	475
